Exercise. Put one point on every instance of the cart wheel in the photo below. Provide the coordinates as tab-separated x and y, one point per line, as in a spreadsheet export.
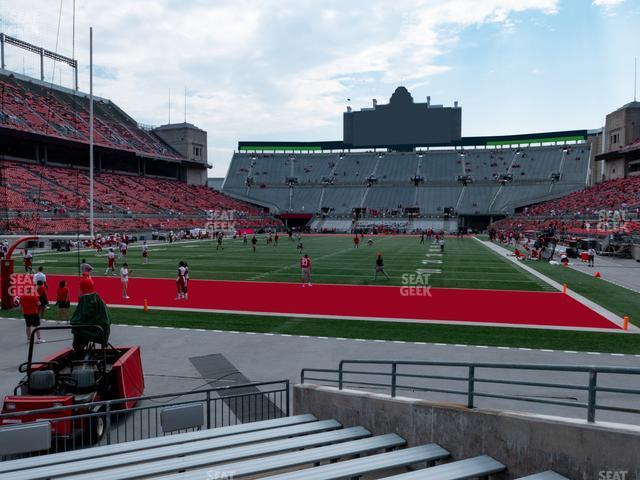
97	426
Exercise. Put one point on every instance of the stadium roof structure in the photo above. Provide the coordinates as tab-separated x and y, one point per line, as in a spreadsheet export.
482	141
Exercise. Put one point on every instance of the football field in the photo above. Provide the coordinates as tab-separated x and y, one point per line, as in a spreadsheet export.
465	262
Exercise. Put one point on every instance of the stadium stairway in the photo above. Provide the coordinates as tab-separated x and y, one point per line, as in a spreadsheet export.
289	448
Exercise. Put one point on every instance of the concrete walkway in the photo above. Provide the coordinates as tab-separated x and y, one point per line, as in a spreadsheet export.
623	272
167	354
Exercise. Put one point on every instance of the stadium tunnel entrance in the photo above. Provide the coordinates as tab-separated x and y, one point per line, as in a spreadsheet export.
477	223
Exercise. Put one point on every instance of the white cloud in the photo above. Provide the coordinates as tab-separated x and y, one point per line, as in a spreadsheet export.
607	3
260	68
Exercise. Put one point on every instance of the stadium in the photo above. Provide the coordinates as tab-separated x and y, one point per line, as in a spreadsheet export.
406	302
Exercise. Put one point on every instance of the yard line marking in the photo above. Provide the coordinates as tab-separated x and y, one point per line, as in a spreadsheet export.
617	354
504	348
481	346
461	345
569	351
525	349
593	353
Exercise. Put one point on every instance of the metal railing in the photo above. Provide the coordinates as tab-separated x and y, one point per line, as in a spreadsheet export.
471	378
110	422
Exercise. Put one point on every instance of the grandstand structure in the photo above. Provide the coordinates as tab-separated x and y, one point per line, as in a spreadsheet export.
145	178
611	206
441	182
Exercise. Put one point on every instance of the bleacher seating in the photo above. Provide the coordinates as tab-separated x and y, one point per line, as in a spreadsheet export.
338	183
289	448
580	213
55	200
33	108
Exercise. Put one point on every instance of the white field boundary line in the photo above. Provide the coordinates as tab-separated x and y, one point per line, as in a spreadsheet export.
612	317
311	337
369	319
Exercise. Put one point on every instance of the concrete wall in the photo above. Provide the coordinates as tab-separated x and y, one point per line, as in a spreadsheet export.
525	443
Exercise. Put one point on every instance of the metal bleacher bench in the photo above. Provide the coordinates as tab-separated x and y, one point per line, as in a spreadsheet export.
219	461
548	475
398	458
150	443
196	454
370	464
296	445
462	469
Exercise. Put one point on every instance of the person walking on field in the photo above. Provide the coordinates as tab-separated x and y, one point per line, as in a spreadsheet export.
305	268
592	256
63	301
124	279
380	267
30	304
145	253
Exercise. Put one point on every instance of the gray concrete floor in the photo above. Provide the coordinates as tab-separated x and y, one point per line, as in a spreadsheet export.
265	357
624	272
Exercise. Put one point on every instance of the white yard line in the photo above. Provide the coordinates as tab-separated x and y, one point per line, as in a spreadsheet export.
311	337
508	255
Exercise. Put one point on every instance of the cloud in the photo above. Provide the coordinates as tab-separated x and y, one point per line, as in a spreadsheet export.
607	3
259	68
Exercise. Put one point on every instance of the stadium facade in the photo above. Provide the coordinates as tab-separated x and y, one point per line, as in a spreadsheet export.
407	159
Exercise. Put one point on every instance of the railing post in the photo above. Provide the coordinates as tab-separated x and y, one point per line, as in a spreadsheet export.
107	422
340	376
208	409
471	385
288	400
394	369
591	405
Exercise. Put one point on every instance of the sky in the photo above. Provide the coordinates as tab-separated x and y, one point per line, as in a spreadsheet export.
285	69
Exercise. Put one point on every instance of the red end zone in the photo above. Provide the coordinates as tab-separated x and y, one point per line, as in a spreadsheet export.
508	308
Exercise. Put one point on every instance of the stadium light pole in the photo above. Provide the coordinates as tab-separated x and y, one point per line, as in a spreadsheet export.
91	231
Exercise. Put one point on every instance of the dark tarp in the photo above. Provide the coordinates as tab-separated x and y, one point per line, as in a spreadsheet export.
91	310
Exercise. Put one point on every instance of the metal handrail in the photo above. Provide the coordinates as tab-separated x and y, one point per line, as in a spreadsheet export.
471	380
104	403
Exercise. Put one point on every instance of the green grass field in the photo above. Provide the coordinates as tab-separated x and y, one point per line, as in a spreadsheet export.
466	264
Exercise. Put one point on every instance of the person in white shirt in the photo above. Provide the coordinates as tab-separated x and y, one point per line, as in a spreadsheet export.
145	253
111	262
591	253
40	277
124	279
85	267
181	281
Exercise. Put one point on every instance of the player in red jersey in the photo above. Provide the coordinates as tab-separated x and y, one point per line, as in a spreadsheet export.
181	281
28	261
30	307
305	268
356	241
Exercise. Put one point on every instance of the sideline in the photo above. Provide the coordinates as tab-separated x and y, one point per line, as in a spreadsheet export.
506	254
